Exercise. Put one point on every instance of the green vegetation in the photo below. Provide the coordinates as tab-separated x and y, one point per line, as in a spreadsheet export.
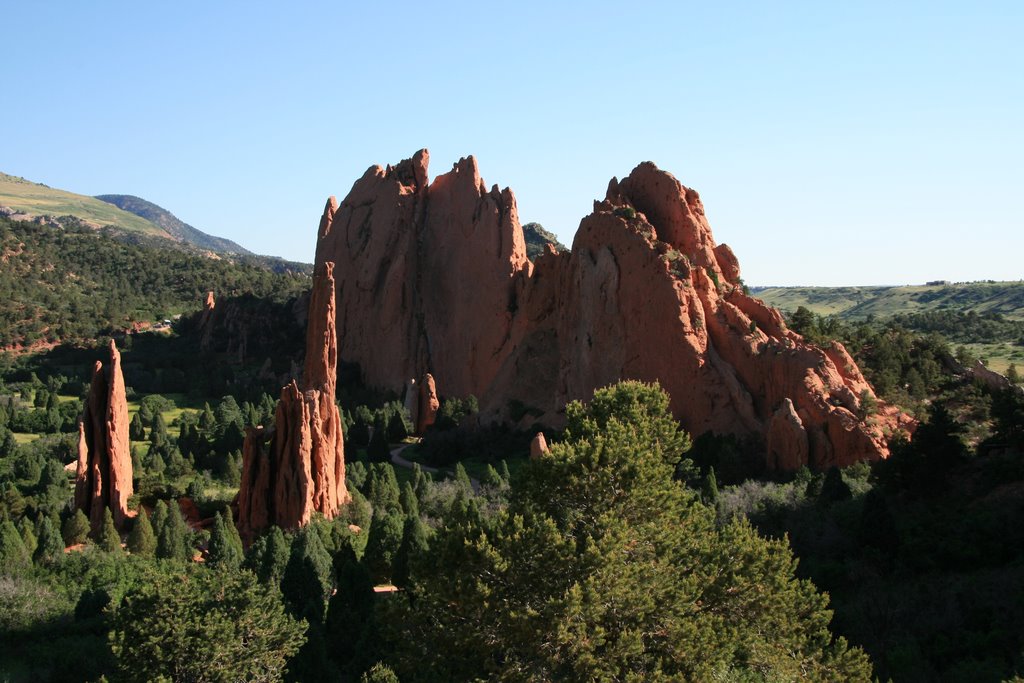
170	223
73	284
34	199
537	239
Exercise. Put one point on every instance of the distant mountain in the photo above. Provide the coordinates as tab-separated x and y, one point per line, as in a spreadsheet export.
163	218
537	239
1005	298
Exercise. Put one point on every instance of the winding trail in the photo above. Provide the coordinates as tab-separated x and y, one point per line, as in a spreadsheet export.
397	459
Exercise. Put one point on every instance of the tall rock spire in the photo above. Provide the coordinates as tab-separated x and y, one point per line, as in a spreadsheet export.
103	478
302	469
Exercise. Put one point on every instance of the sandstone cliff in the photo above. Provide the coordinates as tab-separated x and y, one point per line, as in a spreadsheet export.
297	467
103	476
435	279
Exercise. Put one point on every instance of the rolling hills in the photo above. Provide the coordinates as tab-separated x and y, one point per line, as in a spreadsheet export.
853	303
170	223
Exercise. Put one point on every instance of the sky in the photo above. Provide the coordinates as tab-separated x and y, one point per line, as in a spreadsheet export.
832	143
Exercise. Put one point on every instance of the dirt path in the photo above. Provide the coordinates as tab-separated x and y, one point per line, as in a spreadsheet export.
397	459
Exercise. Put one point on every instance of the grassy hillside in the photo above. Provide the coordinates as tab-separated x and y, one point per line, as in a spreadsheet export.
1005	298
986	318
166	220
34	199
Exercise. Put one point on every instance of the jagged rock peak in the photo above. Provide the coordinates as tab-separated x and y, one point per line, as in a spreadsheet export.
301	471
103	476
435	277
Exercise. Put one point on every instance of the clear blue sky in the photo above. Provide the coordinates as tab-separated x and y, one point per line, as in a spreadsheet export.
833	143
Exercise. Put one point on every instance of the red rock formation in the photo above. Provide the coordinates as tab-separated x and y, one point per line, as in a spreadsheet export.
538	446
302	468
427	405
436	279
103	477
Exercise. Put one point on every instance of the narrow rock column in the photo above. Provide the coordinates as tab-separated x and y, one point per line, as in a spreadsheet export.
103	477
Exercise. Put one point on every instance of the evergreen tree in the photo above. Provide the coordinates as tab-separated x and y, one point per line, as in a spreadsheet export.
136	430
158	432
382	545
53	475
306	583
383	489
50	548
268	557
379	450
608	568
9	446
28	536
462	478
108	539
834	489
352	603
410	504
709	488
491	478
379	673
398	430
76	529
1013	374
142	540
14	556
207	421
359	435
200	625
505	474
413	546
223	552
172	537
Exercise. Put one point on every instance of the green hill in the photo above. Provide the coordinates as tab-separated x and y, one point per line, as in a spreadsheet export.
36	200
73	283
852	303
166	220
537	239
986	318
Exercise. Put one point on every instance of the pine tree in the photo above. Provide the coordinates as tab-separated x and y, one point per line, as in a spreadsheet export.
413	545
834	489
142	540
158	433
606	567
222	549
383	489
9	446
382	545
397	428
172	538
268	557
379	673
505	474
207	421
462	477
76	529
491	478
306	583
14	556
410	504
50	548
28	536
709	488
108	539
352	603
136	430
379	450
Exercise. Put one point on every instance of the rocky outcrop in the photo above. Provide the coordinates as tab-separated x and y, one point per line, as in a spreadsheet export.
427	405
538	446
436	280
297	467
103	476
